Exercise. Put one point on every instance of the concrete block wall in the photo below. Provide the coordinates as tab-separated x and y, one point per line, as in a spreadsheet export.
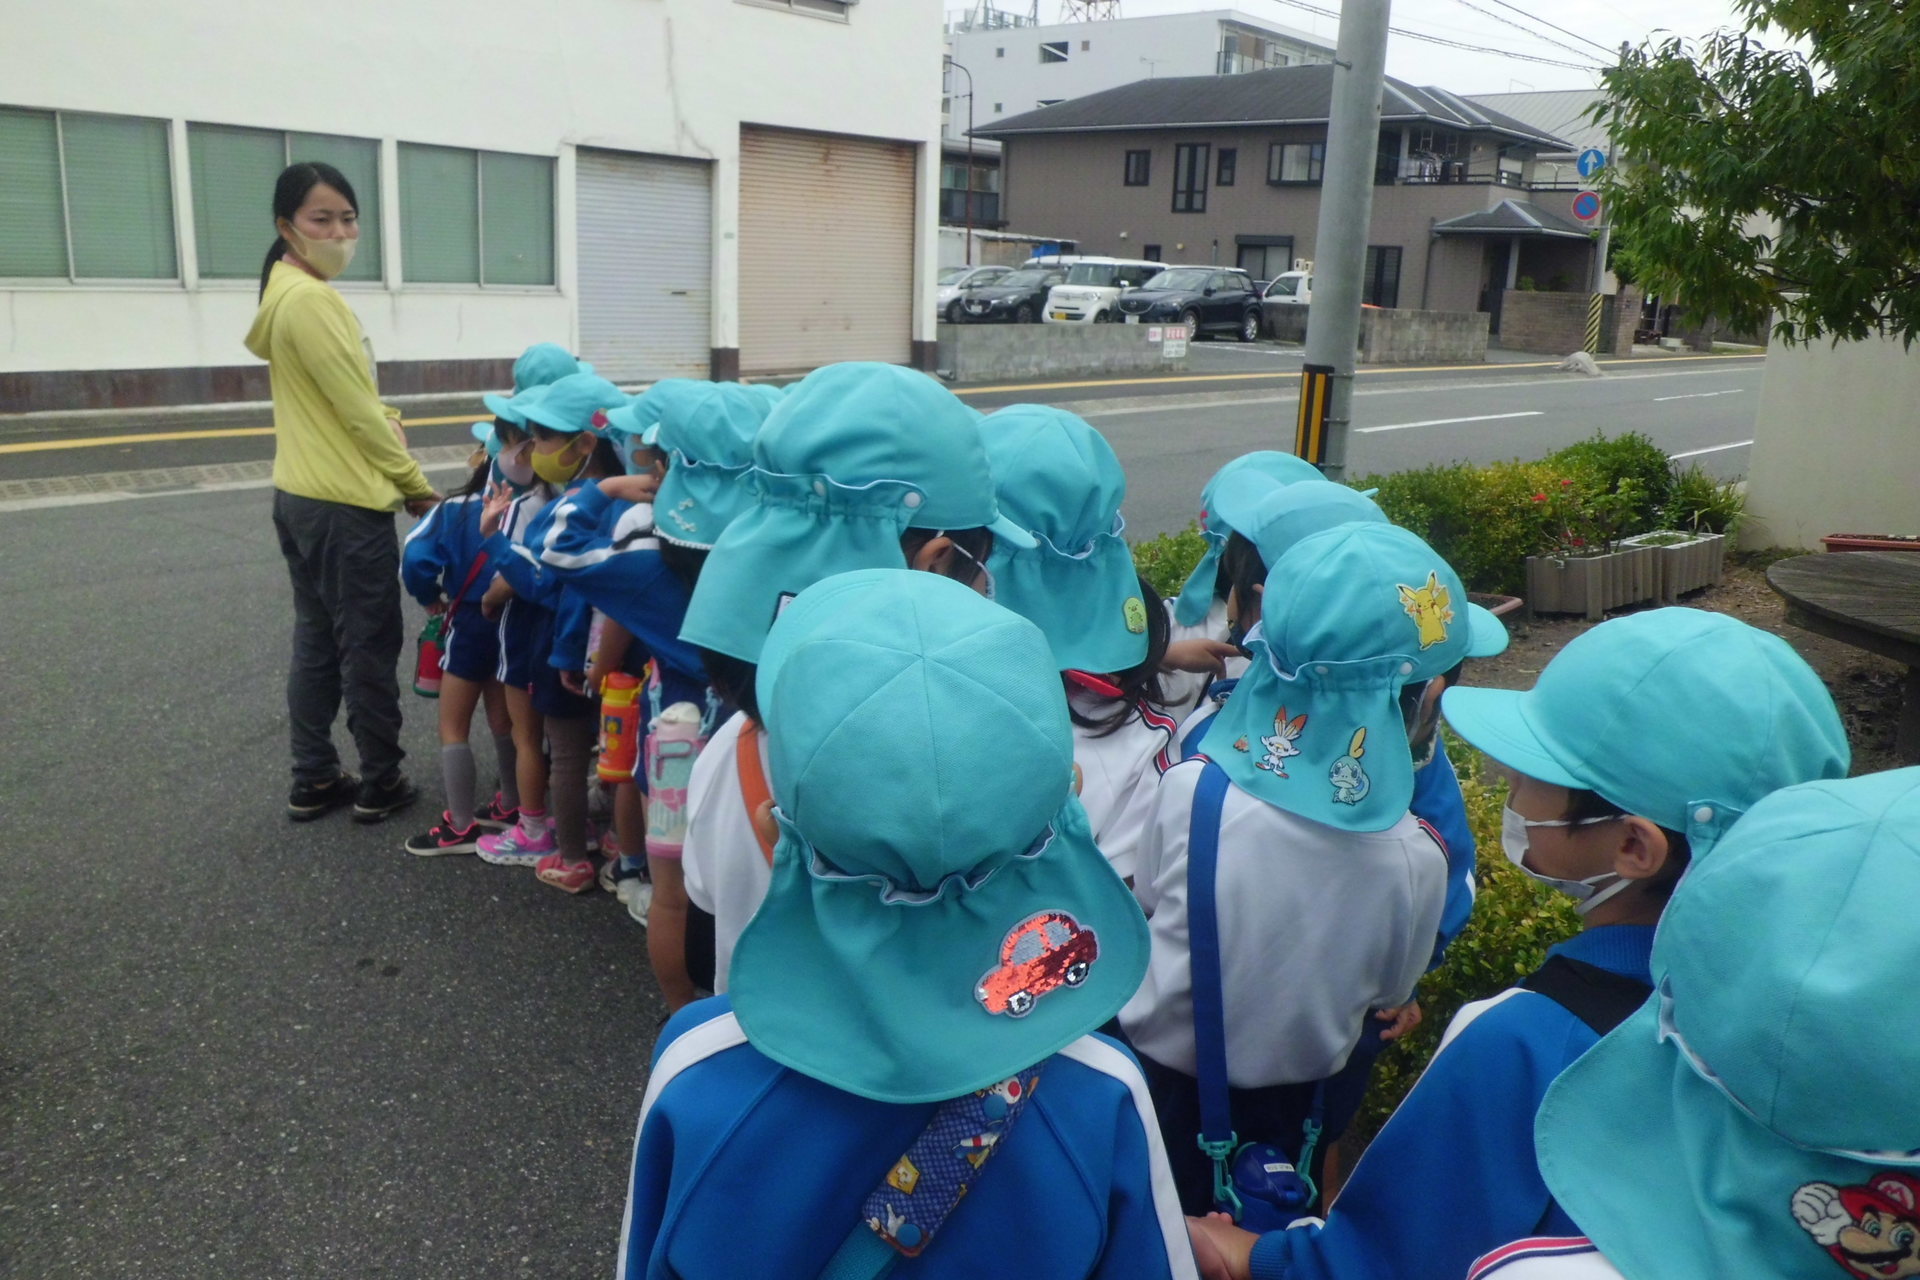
1549	323
1623	319
992	352
1418	337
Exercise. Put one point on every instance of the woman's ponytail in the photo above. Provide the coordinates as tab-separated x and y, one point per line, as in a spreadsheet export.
273	255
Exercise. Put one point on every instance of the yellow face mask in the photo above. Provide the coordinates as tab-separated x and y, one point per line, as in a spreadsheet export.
328	258
556	468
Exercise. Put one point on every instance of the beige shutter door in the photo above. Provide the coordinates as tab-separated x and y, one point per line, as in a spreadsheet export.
826	250
646	273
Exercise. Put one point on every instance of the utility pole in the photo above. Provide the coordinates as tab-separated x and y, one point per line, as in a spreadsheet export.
1340	244
969	75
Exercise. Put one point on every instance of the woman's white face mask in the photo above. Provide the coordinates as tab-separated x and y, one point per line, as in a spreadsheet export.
1515	841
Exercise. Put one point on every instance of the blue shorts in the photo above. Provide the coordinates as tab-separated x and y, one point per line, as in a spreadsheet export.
472	645
517	657
550	697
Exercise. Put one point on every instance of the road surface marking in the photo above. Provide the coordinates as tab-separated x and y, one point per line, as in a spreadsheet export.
1718	448
1699	395
1447	422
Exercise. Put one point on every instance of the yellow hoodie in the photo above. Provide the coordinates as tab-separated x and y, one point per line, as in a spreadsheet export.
334	439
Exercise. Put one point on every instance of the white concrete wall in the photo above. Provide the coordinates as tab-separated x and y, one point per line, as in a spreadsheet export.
1836	445
1183	44
670	77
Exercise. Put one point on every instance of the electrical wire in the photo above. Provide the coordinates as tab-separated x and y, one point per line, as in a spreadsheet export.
1611	53
1558	44
1449	44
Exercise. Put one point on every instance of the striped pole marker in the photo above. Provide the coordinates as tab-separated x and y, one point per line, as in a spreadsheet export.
1595	306
1310	434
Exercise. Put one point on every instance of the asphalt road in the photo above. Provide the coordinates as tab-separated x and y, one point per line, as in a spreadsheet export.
231	1046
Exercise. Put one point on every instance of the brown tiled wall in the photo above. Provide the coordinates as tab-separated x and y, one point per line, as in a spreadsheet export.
146	388
1626	318
1550	323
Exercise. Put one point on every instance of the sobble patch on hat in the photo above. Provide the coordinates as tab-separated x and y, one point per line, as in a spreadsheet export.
1756	1117
940	917
853	457
1357	613
1059	479
1679	715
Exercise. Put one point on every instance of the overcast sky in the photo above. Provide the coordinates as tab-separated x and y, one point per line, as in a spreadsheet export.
1605	22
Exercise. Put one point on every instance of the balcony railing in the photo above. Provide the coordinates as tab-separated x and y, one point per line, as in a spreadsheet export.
986	207
1438	172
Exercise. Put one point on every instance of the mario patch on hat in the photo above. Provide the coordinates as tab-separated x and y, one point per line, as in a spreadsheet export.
1280	747
1872	1231
1430	607
1349	778
1041	954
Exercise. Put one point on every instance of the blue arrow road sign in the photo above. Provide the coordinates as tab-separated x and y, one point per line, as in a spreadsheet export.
1592	161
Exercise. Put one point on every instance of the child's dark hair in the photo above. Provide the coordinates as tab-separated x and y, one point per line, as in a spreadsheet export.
685	562
290	191
1591	804
732	678
1139	683
1410	695
476	483
1241	568
976	542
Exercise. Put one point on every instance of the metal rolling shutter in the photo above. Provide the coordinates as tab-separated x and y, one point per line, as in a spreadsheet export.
826	250
646	273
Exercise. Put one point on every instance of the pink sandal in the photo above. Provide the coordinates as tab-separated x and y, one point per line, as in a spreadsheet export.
569	877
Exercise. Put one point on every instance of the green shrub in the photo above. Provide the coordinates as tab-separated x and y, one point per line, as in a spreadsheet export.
1629	463
1485	521
1701	504
1166	561
1514	921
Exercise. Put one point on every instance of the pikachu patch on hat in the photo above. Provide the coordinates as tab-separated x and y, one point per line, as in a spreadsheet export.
1430	607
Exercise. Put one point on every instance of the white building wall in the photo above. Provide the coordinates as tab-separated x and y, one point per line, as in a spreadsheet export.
1117	52
1836	444
669	77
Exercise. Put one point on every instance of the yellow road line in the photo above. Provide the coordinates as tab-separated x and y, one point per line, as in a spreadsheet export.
227	433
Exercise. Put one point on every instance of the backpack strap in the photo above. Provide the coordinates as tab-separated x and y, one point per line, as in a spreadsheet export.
754	791
1217	1137
924	1186
1598	997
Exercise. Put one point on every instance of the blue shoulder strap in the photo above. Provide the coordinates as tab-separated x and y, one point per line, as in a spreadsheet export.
1217	1138
1217	693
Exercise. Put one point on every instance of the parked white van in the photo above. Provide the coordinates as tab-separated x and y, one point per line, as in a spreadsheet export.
1093	287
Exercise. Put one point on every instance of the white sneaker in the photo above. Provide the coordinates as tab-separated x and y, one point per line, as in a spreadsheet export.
637	893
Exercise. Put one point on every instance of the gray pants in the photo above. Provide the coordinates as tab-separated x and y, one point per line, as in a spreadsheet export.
347	634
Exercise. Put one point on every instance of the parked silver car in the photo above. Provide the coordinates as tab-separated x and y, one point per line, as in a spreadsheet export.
954	280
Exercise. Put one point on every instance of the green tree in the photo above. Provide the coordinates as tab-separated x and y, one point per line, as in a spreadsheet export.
1770	183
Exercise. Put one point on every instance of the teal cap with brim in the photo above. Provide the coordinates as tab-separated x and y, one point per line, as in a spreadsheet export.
1059	479
514	409
1756	1117
853	457
1681	716
572	404
544	363
484	434
707	434
1314	727
767	393
932	927
1196	597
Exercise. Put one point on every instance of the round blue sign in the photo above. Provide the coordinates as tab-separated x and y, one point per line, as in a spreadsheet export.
1592	161
1586	206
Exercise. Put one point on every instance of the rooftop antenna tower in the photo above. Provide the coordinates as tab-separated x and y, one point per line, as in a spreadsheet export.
1088	10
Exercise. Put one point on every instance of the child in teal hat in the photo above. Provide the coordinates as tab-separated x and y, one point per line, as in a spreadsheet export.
1325	891
1060	480
1756	1117
633	546
859	466
1642	743
905	1071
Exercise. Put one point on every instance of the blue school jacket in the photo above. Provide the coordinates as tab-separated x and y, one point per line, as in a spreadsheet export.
440	550
746	1168
604	552
1453	1173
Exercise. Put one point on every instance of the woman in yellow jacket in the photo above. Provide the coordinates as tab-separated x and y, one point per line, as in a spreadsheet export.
340	471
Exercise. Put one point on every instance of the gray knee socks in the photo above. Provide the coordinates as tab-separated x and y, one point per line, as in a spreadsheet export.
456	770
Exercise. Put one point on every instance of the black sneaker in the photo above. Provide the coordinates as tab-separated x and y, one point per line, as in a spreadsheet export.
445	838
378	801
310	800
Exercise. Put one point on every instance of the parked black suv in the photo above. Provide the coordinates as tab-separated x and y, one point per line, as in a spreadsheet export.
1205	299
1017	296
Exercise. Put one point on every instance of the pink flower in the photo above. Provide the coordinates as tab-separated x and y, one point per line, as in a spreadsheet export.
1566	484
1539	497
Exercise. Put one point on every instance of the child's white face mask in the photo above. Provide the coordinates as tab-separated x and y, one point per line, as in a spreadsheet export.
1515	841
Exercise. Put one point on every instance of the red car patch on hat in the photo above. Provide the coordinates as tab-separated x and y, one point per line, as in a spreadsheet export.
1042	953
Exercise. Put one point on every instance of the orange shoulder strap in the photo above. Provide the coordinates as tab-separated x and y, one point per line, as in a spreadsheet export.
754	791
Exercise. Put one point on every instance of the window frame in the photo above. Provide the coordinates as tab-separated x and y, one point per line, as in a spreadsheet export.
1226	166
1054	51
71	279
1146	168
1316	164
1376	257
844	13
252	281
480	229
1197	166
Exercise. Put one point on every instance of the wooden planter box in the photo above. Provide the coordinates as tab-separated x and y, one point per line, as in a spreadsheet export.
1592	584
1698	561
1870	542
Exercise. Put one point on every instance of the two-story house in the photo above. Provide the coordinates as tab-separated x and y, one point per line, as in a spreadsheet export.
1227	169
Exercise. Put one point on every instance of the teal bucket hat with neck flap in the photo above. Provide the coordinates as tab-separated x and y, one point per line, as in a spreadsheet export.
1059	479
1196	597
933	926
853	457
